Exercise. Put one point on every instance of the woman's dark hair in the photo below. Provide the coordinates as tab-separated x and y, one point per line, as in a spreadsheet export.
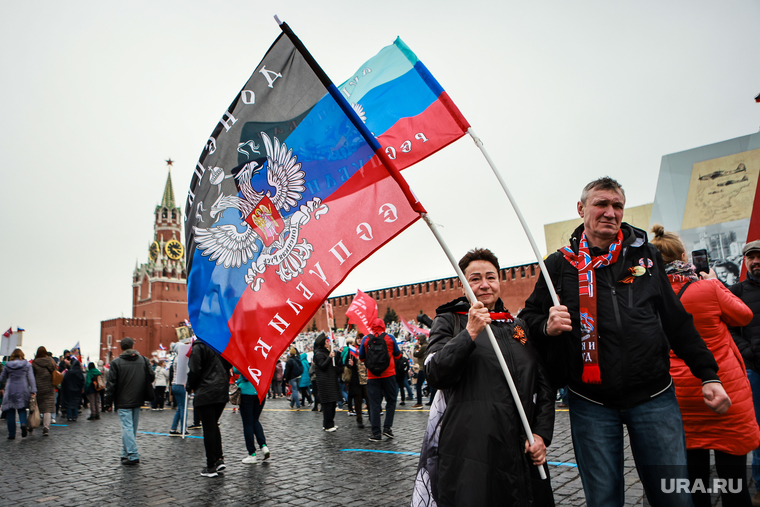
91	365
478	254
41	352
320	341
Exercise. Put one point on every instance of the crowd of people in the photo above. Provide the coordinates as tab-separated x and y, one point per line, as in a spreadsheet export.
637	339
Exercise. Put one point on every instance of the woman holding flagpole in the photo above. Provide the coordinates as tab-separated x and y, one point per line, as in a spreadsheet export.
483	454
328	366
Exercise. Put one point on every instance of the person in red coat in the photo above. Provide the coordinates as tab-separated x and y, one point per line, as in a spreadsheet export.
730	435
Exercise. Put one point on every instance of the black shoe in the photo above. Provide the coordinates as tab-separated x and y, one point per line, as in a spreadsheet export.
402	403
360	425
123	460
129	462
208	472
388	432
12	438
90	418
195	427
23	431
376	438
219	466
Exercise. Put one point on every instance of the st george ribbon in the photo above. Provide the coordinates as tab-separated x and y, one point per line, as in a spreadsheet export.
288	197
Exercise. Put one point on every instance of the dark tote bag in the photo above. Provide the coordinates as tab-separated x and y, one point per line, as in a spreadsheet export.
150	394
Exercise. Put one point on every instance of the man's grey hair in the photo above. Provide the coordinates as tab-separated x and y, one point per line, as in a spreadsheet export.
605	183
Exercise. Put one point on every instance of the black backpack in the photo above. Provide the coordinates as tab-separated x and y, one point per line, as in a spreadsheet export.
377	358
297	368
402	366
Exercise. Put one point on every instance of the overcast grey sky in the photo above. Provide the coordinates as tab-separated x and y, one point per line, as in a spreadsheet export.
96	95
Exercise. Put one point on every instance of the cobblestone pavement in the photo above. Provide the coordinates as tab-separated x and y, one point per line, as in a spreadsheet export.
78	464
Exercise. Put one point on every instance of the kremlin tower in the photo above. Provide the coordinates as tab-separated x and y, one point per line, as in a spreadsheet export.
159	288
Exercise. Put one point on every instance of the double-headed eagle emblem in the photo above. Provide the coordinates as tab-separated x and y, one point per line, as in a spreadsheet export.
263	226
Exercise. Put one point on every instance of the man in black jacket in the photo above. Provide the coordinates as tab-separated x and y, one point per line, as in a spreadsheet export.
747	338
209	378
129	377
609	340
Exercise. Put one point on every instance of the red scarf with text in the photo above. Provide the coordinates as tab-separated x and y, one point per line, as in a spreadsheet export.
586	264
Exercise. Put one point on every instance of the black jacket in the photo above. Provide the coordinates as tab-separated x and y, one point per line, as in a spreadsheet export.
327	374
481	448
747	338
292	367
208	375
128	377
637	324
72	386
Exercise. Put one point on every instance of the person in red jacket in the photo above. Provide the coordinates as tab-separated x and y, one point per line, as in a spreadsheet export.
730	435
380	382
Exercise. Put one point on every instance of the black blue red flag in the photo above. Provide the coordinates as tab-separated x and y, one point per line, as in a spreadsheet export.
289	195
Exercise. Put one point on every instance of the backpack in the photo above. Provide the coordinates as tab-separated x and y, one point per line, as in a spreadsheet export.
402	366
100	382
297	369
377	358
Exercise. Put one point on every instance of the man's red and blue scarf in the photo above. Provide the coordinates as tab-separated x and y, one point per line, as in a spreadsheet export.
585	263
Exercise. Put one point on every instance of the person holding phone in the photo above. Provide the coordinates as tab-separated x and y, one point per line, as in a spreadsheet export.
734	433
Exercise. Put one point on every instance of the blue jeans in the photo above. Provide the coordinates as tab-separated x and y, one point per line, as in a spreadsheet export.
658	443
405	385
294	392
178	392
250	410
129	418
420	381
10	416
754	382
377	388
343	393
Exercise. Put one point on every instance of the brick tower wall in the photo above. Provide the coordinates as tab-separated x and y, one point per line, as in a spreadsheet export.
408	300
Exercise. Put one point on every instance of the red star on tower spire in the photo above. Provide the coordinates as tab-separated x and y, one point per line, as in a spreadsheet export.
170	162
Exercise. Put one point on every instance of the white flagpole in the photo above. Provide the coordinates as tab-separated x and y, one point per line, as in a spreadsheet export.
540	259
184	424
491	337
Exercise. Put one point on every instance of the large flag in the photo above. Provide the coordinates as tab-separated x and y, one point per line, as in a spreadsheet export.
362	311
411	329
403	105
289	195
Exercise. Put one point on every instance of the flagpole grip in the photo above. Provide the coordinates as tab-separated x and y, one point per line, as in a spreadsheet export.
491	337
539	258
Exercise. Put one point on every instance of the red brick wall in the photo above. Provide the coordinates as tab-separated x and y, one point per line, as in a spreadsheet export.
516	285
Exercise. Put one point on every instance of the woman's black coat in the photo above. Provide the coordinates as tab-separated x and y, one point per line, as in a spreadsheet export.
72	385
327	375
482	458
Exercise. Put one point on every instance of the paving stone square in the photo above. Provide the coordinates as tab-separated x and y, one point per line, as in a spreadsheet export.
78	464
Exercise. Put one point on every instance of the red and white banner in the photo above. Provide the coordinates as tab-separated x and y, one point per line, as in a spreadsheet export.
413	330
362	311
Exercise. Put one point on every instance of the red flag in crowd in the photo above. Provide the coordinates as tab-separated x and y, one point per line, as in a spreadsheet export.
362	311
